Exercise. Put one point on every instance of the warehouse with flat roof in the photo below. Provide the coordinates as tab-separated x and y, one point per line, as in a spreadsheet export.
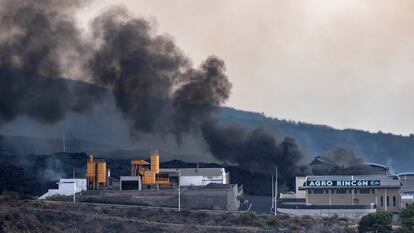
382	191
199	176
345	196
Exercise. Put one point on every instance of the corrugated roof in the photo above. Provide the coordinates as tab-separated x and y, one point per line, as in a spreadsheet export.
139	162
377	165
406	174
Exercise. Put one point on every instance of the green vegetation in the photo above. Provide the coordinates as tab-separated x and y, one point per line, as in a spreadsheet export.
407	219
379	222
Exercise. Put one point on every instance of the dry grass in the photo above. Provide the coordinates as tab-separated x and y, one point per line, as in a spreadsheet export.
35	216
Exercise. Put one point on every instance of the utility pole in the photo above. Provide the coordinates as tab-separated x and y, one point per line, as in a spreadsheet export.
179	191
64	145
74	187
273	192
276	192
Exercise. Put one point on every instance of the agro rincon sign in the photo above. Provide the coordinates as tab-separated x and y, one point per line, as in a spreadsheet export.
343	183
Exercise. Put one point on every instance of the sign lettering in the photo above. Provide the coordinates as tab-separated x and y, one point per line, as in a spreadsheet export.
343	183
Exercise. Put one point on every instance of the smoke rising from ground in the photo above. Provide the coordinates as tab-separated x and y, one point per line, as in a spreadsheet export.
342	161
156	88
345	157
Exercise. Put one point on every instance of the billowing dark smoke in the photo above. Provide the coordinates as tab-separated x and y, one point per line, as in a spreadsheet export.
141	68
345	157
153	82
205	89
155	86
341	161
255	150
349	163
36	39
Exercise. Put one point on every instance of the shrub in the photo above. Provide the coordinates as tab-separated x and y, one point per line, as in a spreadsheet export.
379	222
272	221
248	219
407	219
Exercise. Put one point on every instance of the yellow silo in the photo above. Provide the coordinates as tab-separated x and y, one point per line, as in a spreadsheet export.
101	173
155	162
90	171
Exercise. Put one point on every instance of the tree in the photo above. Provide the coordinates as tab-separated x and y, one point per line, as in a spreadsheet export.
379	222
407	219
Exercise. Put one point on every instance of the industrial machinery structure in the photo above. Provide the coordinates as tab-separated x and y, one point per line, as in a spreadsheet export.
96	173
149	172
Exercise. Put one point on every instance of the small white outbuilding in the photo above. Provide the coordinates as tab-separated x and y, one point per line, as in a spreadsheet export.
203	176
66	187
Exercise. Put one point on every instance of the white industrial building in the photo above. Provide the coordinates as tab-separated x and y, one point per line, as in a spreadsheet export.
200	176
343	195
66	187
203	176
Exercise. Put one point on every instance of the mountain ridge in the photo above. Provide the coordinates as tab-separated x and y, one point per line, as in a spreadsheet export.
104	125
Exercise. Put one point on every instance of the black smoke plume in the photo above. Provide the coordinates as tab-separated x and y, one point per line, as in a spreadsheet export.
341	161
36	39
156	88
255	150
141	68
204	90
153	82
345	157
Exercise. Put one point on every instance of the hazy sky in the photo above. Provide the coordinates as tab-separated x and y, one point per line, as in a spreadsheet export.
344	63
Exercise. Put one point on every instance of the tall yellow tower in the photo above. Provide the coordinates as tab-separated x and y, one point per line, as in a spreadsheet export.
149	173
155	162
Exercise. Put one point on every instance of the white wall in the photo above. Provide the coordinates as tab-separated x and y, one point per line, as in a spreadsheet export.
66	188
299	184
191	180
66	185
201	180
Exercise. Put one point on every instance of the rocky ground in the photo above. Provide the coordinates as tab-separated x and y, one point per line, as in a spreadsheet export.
17	215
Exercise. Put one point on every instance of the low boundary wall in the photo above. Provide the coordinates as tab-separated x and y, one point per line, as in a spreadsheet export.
343	213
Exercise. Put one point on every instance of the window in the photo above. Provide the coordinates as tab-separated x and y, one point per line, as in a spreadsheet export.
318	191
340	191
373	190
349	190
364	191
394	201
382	201
388	201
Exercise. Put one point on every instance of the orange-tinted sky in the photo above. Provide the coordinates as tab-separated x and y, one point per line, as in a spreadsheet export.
344	63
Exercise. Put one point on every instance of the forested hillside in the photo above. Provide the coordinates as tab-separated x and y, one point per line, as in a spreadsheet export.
395	151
